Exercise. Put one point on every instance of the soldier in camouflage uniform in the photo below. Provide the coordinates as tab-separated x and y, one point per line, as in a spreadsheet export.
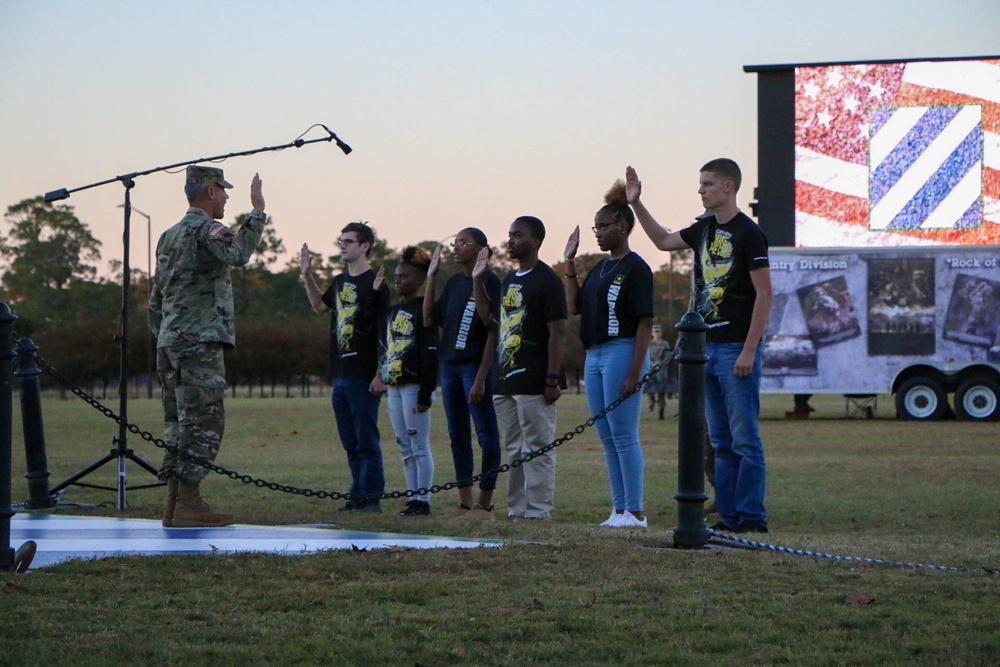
659	353
191	314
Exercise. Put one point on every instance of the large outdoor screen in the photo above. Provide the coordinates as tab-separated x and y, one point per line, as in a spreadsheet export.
897	154
879	153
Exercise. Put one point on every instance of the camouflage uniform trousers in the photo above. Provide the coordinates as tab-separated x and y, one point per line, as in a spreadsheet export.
193	379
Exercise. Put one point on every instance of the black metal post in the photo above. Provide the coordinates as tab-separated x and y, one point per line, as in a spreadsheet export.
34	434
7	320
691	531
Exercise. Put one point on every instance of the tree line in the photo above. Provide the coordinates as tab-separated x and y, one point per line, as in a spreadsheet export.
49	279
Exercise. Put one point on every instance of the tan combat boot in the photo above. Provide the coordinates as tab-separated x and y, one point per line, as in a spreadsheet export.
193	512
168	513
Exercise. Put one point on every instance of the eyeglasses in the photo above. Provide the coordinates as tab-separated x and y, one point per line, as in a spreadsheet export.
600	229
346	241
464	244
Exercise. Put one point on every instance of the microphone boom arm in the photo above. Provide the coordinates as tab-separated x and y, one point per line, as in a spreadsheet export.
63	193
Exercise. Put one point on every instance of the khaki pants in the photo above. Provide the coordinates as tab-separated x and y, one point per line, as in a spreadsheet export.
526	425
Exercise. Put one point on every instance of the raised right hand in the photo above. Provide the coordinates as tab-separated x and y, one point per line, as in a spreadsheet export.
573	244
305	259
432	268
482	263
633	186
256	193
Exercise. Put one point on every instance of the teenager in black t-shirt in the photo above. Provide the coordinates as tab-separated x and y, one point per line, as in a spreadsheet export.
733	293
356	308
466	353
408	373
531	314
615	304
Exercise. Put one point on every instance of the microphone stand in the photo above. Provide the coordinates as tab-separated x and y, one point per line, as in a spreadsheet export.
121	453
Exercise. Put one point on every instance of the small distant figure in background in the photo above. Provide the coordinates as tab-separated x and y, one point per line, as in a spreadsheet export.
802	407
659	353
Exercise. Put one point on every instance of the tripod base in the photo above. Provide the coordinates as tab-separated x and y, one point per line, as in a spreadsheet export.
121	456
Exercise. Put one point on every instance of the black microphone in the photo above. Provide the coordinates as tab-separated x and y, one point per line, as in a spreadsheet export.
340	144
56	195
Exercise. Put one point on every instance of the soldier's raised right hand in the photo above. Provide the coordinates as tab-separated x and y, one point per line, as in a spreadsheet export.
256	193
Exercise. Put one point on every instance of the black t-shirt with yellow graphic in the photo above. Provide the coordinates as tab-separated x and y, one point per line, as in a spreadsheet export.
527	304
356	313
409	349
724	256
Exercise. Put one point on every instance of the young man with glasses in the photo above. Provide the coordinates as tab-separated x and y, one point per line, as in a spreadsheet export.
356	309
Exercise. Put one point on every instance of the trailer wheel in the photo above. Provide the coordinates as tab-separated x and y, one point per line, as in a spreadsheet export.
978	399
921	398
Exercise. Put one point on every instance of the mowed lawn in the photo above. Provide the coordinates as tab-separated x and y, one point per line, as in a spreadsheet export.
561	592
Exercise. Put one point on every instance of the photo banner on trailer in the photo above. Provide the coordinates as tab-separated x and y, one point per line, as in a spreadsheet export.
850	320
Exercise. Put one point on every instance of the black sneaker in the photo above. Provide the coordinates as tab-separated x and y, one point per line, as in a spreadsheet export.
371	508
722	525
751	527
416	508
348	507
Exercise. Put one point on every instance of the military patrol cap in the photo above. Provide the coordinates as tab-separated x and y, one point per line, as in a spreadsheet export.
657	327
197	173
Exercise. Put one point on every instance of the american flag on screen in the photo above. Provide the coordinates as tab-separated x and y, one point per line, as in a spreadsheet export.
898	154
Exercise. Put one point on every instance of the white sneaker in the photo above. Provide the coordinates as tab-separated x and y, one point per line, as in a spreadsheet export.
614	520
629	520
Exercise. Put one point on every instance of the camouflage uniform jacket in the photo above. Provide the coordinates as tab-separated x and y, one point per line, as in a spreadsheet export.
192	297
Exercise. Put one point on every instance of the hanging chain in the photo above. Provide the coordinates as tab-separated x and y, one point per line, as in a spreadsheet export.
334	495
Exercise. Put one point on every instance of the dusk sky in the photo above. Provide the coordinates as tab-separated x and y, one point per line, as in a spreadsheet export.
460	113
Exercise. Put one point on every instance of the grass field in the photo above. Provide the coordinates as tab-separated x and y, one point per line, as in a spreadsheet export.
562	593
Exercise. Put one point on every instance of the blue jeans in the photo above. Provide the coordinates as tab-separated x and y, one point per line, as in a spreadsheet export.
732	409
605	370
456	382
357	422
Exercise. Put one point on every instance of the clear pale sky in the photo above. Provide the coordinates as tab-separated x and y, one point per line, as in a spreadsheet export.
459	112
